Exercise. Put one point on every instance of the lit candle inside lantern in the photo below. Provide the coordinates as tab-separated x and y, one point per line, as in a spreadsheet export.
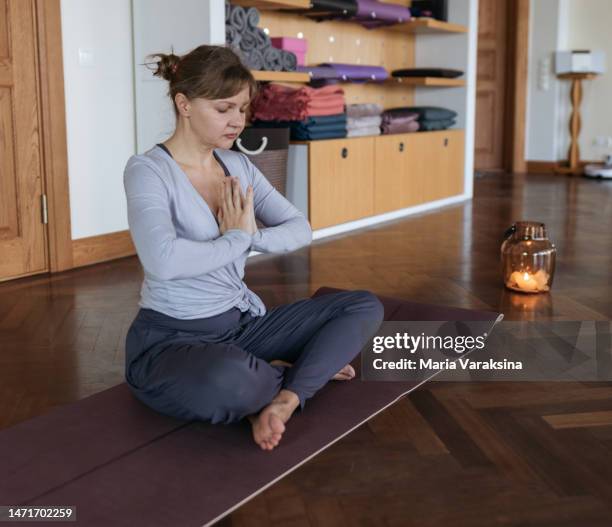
524	281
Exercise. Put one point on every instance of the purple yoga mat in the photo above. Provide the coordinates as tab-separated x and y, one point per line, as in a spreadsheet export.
371	10
354	72
122	464
318	72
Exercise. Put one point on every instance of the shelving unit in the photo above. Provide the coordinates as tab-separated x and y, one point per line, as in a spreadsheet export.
427	25
425	81
384	173
303	78
281	76
273	5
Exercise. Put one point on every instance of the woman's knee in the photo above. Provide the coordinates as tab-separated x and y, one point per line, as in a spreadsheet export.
369	304
234	387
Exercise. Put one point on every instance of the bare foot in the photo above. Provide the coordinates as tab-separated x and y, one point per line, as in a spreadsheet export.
269	425
345	374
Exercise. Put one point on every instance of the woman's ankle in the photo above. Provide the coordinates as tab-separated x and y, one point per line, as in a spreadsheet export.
287	397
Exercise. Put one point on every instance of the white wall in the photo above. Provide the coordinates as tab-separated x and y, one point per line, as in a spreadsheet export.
159	27
565	25
455	51
590	27
114	108
99	112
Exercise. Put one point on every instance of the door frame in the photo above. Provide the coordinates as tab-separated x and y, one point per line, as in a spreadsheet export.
54	145
516	97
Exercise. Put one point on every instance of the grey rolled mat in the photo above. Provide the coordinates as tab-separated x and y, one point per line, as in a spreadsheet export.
289	60
273	59
263	40
254	44
238	17
255	60
252	17
248	41
232	36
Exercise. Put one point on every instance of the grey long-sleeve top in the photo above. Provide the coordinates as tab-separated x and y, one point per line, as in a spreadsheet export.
190	269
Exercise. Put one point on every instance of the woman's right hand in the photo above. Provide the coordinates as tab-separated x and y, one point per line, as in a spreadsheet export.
236	212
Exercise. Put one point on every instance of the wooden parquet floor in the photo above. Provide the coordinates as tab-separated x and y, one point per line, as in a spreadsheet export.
465	454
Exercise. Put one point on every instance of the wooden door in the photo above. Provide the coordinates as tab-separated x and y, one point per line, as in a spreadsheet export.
22	232
341	181
491	84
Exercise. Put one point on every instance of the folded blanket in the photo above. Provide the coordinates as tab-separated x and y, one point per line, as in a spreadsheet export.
360	132
394	116
400	127
436	124
363	110
425	112
280	102
364	122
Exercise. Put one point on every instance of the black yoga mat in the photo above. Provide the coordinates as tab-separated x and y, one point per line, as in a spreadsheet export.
120	463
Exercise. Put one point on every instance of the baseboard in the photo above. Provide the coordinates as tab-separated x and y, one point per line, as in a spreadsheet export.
96	249
549	167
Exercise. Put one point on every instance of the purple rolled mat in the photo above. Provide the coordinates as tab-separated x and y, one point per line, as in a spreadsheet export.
122	464
354	72
318	72
368	10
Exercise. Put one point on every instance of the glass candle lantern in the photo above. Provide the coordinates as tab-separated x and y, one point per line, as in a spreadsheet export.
528	258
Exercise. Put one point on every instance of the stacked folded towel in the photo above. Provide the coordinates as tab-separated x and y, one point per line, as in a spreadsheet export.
252	44
434	117
399	121
363	119
276	102
413	118
312	128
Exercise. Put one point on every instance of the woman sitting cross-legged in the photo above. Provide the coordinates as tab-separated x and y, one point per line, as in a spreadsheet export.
203	345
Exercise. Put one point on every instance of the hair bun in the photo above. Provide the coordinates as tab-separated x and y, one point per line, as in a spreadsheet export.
166	65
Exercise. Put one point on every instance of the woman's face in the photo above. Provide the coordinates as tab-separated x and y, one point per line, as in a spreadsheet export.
218	122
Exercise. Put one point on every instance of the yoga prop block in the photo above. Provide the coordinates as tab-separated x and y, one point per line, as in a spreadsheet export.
122	464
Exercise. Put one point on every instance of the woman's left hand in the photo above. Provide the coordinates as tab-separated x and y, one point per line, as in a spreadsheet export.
247	203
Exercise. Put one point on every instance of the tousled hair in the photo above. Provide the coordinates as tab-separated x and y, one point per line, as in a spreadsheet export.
208	72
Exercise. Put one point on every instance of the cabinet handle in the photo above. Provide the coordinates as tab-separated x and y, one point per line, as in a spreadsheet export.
446	141
345	152
401	147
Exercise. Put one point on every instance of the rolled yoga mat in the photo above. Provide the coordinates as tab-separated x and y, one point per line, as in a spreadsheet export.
122	464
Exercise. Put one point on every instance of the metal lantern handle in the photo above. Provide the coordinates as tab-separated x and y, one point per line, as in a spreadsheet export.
245	150
510	231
